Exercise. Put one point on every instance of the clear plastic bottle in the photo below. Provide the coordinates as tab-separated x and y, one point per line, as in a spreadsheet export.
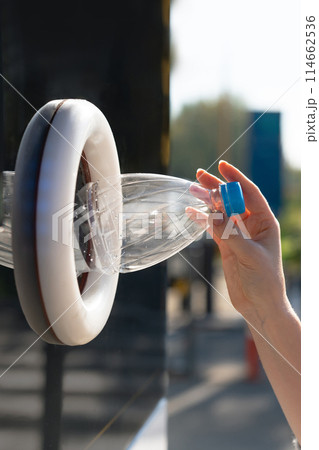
152	226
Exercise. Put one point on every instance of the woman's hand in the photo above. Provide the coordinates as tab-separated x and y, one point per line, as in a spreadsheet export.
252	266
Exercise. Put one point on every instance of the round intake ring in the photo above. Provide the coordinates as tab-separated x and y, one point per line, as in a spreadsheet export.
57	138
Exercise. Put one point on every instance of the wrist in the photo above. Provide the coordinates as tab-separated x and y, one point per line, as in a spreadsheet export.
269	315
281	328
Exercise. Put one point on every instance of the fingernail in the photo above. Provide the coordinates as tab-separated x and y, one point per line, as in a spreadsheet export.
199	170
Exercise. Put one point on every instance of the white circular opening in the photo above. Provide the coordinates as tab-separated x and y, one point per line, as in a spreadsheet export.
78	128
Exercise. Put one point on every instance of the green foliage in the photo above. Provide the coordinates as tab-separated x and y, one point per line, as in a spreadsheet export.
290	220
203	132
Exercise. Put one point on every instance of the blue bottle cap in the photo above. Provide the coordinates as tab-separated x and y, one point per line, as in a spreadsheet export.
233	198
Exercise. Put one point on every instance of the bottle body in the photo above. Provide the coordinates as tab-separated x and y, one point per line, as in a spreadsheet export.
151	227
153	224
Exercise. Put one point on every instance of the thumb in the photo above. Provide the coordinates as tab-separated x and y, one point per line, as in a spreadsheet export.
204	220
226	231
231	232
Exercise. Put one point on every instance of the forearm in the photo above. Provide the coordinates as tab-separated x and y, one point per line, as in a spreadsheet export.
277	338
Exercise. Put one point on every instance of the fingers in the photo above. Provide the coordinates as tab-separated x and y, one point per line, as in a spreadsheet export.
233	234
201	193
197	216
227	231
254	200
207	180
204	220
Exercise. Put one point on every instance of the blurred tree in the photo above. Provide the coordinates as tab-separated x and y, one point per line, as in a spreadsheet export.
290	221
204	131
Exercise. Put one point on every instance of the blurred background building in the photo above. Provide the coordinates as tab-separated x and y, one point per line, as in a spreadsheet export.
114	54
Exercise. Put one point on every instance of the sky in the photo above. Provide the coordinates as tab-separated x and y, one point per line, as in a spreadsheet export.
247	48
